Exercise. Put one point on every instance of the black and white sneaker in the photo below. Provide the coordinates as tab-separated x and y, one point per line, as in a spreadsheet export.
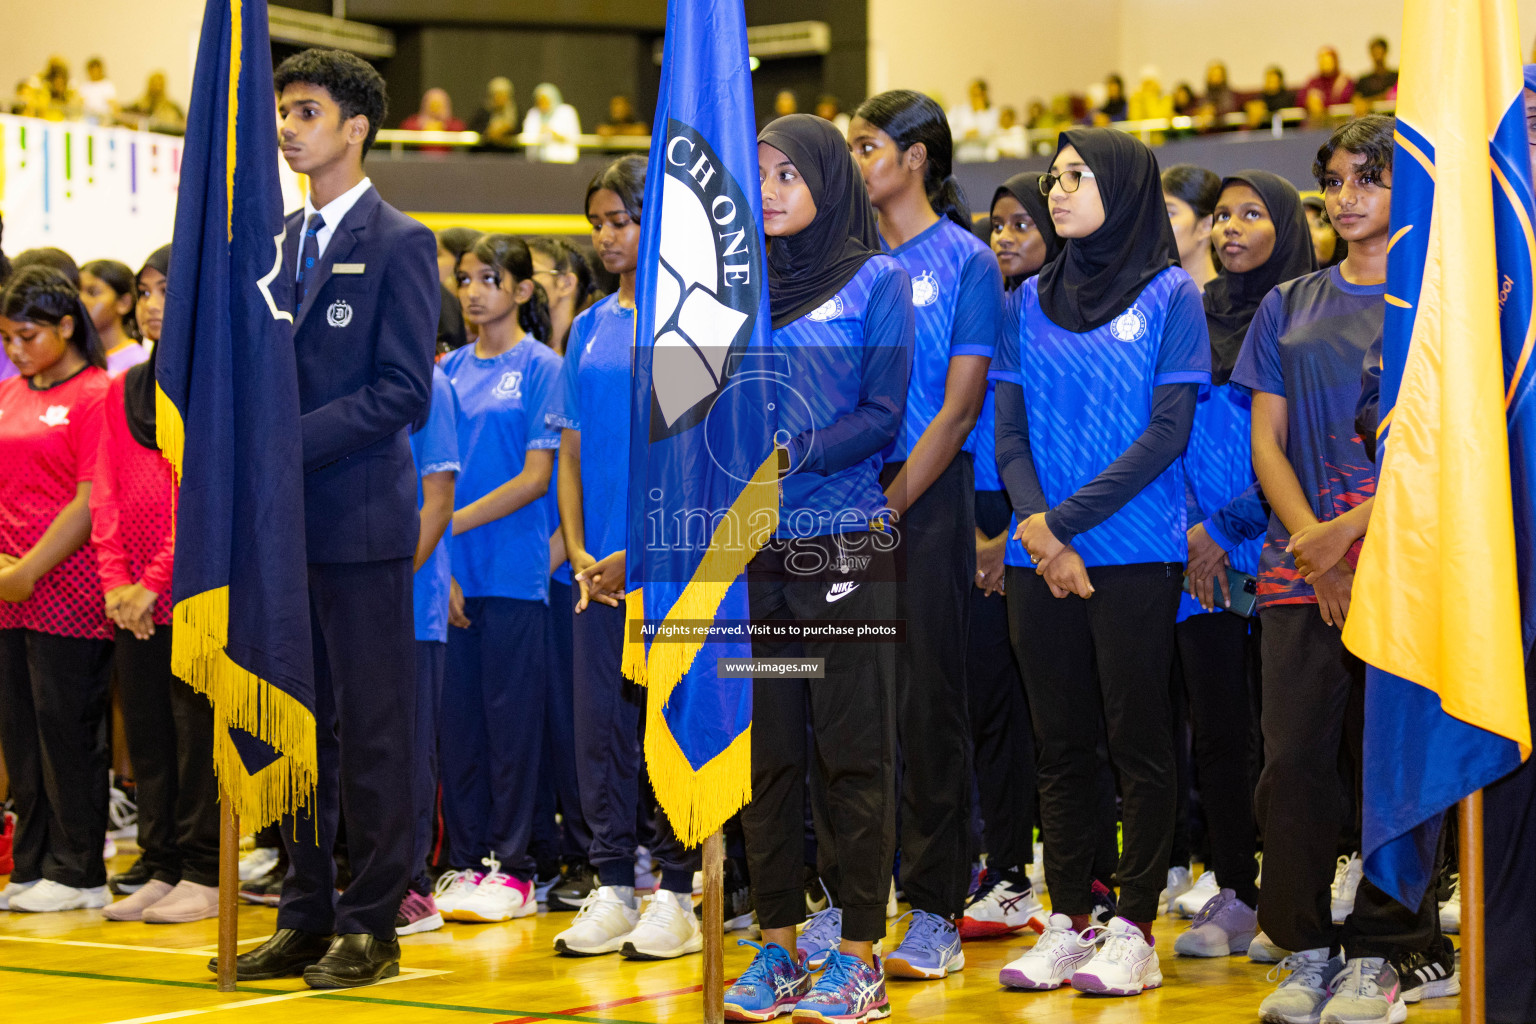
1429	975
576	883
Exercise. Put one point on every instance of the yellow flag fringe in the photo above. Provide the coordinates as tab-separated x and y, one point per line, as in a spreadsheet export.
240	699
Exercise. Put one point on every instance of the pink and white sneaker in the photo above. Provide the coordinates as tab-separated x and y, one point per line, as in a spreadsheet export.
1051	961
417	913
453	888
498	897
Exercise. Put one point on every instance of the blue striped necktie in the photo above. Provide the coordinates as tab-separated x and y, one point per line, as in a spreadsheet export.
308	258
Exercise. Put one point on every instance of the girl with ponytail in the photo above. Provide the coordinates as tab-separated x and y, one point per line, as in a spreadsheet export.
494	685
901	143
55	646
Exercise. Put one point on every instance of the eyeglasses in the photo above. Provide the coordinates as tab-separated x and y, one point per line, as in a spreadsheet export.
1070	181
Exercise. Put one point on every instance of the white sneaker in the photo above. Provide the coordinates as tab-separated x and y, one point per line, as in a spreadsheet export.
1346	881
667	929
1051	961
48	896
891	909
1367	991
1126	965
698	883
498	897
1263	951
605	920
453	888
109	848
1300	997
1189	902
1450	910
1001	908
257	863
1037	871
12	890
1179	882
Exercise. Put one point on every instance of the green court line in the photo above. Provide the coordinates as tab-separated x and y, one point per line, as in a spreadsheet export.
342	996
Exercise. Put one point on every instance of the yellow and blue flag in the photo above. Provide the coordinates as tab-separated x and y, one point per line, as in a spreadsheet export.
227	417
1436	611
703	476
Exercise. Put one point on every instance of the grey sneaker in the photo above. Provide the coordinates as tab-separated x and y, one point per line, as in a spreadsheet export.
1224	926
1367	991
1262	951
1300	997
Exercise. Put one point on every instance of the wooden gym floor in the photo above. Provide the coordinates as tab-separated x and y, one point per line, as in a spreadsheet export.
78	968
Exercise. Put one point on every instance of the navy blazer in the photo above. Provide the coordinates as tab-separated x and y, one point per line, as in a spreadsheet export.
365	339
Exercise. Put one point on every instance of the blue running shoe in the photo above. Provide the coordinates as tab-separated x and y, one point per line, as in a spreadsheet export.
848	992
822	934
769	988
930	949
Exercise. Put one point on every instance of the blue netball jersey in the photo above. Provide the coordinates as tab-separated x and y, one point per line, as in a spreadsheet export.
1089	397
982	443
435	448
1219	482
503	404
841	398
594	399
957	304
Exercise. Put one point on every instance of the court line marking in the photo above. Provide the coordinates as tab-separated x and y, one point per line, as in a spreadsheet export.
348	997
406	975
104	945
613	1003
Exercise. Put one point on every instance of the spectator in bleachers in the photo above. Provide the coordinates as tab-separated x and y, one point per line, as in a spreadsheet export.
1114	107
1219	99
1010	141
1035	115
974	124
155	111
622	119
1380	83
496	120
785	102
1275	97
829	108
56	100
1185	102
98	96
434	115
1329	86
1149	101
552	127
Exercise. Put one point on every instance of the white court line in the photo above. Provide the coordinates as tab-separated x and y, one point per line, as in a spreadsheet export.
103	945
405	975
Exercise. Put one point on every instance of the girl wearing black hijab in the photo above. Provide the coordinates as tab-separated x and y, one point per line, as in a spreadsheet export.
842	330
1095	396
1003	747
169	726
1262	240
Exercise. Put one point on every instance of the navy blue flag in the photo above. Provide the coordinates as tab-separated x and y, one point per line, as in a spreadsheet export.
703	474
227	412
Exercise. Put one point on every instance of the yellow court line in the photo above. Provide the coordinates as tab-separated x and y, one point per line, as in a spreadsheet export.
104	945
404	975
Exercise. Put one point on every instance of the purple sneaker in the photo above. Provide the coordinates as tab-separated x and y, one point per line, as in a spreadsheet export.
1224	927
849	992
418	913
769	987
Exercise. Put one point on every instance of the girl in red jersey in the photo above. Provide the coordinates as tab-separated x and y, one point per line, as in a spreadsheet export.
55	647
169	726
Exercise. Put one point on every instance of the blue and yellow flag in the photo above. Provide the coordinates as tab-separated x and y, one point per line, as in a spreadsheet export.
703	477
1436	611
227	416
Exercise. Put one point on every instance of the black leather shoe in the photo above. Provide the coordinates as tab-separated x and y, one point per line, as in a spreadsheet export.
355	960
286	953
130	881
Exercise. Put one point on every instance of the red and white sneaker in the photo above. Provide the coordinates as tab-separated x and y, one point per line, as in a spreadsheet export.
7	842
1001	907
1126	965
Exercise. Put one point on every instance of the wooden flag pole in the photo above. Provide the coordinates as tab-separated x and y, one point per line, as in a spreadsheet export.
1469	818
229	890
714	929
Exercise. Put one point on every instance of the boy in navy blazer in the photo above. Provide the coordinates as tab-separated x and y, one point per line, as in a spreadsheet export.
365	320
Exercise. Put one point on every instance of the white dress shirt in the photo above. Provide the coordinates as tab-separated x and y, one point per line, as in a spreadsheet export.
332	211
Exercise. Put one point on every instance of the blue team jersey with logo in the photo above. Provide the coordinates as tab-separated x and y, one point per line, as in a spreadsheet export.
983	440
844	376
957	305
1218	473
503	403
436	450
594	399
1306	344
1088	397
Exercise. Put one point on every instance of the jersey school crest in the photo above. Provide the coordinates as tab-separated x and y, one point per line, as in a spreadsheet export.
1129	326
708	288
829	310
925	289
510	385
